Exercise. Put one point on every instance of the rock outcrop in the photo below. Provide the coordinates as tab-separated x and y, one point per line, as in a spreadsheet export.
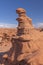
23	46
30	39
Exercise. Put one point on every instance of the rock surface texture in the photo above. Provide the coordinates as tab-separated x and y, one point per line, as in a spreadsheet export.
24	46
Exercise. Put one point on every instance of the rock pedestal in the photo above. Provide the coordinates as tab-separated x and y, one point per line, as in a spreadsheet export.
28	39
23	37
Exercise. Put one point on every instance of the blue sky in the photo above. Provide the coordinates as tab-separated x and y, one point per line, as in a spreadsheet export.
34	9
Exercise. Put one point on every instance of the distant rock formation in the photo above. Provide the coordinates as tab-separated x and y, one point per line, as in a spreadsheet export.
21	46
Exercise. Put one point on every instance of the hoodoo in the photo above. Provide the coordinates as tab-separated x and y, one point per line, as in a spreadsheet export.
25	46
28	39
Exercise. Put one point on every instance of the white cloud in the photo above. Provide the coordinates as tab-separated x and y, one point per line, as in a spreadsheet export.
2	25
39	25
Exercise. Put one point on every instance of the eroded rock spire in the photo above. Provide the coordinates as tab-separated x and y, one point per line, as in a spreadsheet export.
24	22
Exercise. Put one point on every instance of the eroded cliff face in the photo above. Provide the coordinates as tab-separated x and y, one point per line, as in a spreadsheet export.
23	45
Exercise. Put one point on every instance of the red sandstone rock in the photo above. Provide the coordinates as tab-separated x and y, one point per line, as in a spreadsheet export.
22	44
20	10
27	32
